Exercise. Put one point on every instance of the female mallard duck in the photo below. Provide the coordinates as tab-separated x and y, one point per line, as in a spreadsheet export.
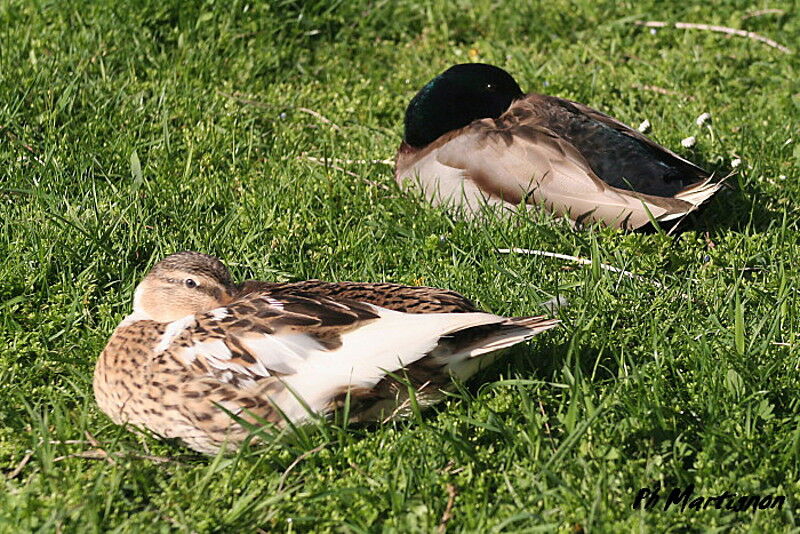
472	137
201	358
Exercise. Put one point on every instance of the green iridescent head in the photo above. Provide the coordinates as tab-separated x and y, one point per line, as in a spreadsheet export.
461	94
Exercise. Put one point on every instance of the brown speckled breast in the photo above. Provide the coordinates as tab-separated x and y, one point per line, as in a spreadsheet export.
125	367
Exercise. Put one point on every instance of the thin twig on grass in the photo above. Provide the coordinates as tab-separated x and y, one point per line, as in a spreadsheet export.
351	161
94	443
448	509
176	523
97	453
297	461
256	103
242	100
91	439
547	426
100	454
760	12
321	117
91	454
405	404
13	137
358	470
662	91
20	466
582	261
712	28
448	469
329	163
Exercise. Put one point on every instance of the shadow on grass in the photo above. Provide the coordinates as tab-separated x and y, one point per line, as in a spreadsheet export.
730	209
595	364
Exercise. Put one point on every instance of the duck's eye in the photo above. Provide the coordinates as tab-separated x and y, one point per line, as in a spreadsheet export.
190	283
490	87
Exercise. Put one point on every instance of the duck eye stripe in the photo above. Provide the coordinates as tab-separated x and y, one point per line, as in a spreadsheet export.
211	291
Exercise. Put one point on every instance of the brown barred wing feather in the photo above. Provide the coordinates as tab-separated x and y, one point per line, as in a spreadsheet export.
397	297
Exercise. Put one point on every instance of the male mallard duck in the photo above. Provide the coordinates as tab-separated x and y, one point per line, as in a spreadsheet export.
473	137
199	352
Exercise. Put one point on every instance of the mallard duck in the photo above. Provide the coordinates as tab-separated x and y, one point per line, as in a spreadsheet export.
472	138
201	358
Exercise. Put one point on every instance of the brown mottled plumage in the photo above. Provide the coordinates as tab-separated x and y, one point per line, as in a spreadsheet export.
397	297
473	138
202	358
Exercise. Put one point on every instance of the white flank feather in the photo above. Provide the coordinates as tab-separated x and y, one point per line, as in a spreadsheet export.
386	345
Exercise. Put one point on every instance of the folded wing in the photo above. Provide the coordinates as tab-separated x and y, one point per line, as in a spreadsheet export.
313	347
525	163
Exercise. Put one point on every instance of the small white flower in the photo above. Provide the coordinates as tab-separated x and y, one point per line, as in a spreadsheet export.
653	31
782	176
735	162
702	119
689	142
644	126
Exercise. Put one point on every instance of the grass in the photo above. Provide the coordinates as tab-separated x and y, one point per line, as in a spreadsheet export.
132	130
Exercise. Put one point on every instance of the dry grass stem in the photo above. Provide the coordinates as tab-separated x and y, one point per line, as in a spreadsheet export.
242	100
663	91
20	466
720	29
352	161
329	163
448	510
100	454
762	12
405	404
547	426
582	261
14	138
321	117
297	461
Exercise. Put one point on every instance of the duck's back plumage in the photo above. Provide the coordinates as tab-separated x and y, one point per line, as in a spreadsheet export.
397	297
571	159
